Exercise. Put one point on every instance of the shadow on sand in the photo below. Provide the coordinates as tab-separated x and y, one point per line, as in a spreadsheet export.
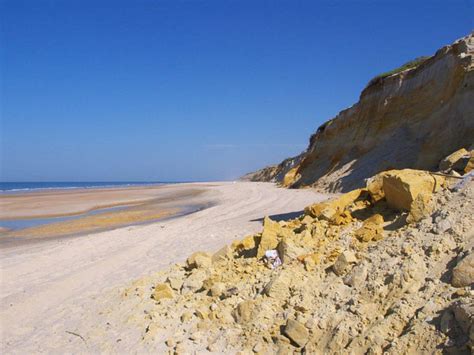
281	216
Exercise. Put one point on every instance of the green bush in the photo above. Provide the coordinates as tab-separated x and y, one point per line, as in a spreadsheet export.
408	65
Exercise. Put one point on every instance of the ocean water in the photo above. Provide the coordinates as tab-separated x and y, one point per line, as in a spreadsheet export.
11	187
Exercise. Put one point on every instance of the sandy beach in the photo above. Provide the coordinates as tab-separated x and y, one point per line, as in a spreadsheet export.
55	287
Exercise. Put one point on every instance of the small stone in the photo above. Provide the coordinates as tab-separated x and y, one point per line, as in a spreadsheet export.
195	336
201	313
296	332
162	291
357	276
217	289
222	254
170	342
244	311
258	347
180	349
372	229
186	317
343	262
442	226
463	273
194	282
175	282
199	260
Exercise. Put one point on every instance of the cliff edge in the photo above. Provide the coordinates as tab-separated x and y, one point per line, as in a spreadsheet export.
409	119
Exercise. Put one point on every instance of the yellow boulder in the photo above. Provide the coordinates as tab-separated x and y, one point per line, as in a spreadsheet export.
291	177
451	160
330	210
401	187
371	230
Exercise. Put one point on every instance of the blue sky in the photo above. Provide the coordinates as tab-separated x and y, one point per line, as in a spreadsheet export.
192	90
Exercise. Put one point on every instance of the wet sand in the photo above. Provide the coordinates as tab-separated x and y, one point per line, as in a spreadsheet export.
57	203
131	206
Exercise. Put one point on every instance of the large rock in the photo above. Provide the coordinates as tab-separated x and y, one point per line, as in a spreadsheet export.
290	177
331	210
271	236
452	160
402	187
296	332
463	273
375	187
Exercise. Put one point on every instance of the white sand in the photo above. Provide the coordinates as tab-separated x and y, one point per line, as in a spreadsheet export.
49	287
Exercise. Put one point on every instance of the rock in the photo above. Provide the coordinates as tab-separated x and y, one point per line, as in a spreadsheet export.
296	332
186	317
375	187
356	278
464	315
329	210
194	282
199	260
463	273
401	187
470	164
290	177
217	289
170	342
222	254
344	262
175	282
279	285
248	246
162	291
201	312
288	250
420	208
454	158
244	311
442	226
272	231
371	230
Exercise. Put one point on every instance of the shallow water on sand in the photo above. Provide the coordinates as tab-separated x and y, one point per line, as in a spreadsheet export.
15	224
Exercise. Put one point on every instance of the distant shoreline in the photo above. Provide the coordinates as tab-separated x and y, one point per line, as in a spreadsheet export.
64	213
7	188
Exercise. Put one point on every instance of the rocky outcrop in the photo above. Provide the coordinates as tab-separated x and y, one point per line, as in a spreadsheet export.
356	276
411	119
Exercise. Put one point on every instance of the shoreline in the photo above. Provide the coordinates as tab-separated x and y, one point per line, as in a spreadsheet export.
25	205
161	203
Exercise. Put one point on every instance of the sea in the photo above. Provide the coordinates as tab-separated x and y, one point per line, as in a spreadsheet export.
12	187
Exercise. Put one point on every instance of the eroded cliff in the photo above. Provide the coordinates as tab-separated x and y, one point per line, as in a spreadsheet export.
410	119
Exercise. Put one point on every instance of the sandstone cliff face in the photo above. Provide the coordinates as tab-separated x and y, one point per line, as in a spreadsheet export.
411	119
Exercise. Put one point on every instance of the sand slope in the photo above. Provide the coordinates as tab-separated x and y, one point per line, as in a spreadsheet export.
50	288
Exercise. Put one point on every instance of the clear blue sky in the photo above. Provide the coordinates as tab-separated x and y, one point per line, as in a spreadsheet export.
192	90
